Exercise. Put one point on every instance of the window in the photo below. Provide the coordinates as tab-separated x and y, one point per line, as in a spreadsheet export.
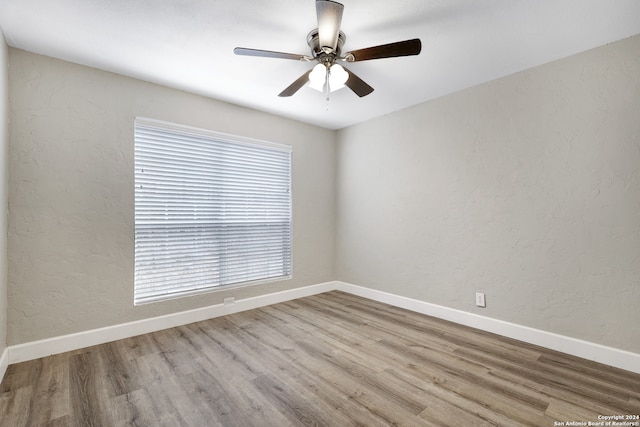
211	210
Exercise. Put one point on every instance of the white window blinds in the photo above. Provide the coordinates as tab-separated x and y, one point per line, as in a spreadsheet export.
210	210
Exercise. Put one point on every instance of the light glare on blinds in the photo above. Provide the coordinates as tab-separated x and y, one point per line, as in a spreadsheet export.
210	210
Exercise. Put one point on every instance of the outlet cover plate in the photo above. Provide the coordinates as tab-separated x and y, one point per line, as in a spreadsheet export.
480	301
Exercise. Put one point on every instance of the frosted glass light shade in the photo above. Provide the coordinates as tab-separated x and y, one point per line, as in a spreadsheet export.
338	76
318	77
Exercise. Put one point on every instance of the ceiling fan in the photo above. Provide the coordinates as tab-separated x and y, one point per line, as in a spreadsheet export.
326	43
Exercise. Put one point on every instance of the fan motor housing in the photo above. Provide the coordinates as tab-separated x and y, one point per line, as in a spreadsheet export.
316	50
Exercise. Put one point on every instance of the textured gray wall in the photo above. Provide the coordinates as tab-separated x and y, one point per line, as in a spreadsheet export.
4	116
526	188
71	194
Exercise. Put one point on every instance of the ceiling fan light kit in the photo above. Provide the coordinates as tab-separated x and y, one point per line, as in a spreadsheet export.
328	79
326	44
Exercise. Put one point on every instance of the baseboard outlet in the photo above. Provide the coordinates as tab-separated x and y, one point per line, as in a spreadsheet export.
587	350
584	349
4	363
41	348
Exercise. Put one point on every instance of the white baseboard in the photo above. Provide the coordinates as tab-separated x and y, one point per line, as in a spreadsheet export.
41	348
587	350
584	349
4	363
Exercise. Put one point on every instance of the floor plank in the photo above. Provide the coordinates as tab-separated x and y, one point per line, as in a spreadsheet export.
328	360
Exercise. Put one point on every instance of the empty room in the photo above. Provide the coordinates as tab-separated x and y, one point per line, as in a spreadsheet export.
311	212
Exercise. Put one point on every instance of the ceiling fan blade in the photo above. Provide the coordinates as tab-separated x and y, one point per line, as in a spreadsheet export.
357	85
269	54
391	50
329	20
296	86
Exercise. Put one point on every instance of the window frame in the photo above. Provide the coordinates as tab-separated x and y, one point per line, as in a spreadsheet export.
235	142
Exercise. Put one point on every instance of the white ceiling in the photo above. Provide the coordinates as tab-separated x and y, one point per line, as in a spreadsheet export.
188	44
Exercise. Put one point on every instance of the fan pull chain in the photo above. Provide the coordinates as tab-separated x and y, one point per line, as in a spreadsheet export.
327	85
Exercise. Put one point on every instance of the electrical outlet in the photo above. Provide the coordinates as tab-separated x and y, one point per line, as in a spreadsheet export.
229	301
480	302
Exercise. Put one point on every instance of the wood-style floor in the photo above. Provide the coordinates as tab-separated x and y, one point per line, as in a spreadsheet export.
328	360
